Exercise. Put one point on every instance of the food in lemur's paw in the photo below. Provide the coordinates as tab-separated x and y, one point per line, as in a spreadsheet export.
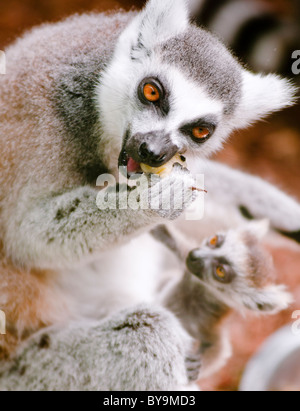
166	169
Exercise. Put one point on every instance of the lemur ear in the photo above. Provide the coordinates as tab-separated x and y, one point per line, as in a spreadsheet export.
263	95
159	21
270	300
259	228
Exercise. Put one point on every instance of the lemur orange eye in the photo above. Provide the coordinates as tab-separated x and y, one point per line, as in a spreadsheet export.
201	132
221	272
151	93
214	241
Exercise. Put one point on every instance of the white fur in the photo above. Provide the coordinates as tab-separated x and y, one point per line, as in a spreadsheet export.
262	95
161	20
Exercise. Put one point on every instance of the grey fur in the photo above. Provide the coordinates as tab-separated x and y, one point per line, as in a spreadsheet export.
201	56
202	315
75	222
140	349
73	101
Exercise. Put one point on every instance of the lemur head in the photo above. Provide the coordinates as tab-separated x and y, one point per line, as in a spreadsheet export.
172	87
238	272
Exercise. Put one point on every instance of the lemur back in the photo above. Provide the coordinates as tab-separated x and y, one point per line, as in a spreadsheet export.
40	155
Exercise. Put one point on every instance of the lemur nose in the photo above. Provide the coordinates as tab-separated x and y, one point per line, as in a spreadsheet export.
149	155
195	263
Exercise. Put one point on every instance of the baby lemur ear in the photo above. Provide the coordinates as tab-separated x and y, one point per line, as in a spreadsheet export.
258	228
263	95
159	21
270	300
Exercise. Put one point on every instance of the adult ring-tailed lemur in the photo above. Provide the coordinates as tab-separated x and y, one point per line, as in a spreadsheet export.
80	98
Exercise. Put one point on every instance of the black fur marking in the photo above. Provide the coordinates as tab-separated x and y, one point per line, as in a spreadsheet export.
74	102
77	202
137	321
264	307
223	260
246	213
22	371
65	213
138	47
292	235
59	215
44	342
133	326
193	366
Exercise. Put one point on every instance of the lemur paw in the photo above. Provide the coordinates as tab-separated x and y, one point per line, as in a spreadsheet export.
169	197
193	366
166	198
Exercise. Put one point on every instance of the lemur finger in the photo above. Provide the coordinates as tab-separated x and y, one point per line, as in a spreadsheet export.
193	366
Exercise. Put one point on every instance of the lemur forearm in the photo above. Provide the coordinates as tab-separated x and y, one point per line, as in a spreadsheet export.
199	312
175	240
250	195
64	229
201	315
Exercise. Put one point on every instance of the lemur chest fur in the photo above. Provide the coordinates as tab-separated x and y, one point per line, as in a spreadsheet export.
92	287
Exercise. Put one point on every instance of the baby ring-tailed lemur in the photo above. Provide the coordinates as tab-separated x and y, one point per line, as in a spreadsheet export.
230	271
83	97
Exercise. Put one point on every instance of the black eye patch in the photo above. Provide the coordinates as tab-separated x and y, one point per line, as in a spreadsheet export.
207	123
161	104
222	271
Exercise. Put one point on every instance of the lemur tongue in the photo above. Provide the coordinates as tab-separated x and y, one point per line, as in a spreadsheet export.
132	166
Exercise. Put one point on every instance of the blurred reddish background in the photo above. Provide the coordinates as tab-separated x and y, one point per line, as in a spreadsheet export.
270	149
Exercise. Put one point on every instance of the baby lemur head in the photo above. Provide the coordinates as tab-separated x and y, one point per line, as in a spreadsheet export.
173	88
238	272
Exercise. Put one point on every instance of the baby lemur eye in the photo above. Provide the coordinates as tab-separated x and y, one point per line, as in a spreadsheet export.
150	91
216	242
223	274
